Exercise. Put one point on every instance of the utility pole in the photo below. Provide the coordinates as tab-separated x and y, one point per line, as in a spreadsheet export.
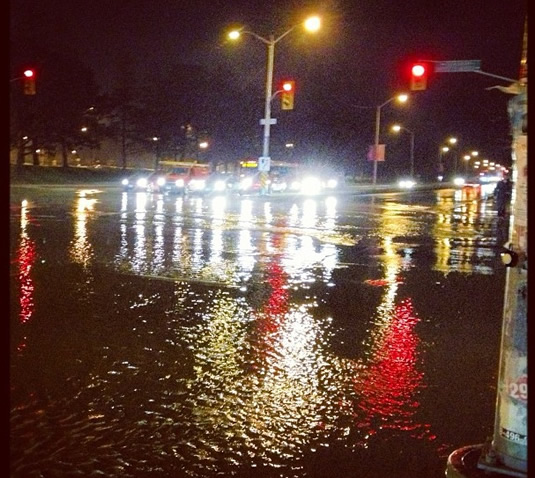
506	453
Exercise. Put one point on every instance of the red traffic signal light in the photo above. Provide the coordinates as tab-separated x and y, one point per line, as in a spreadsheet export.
287	95
288	86
418	76
29	82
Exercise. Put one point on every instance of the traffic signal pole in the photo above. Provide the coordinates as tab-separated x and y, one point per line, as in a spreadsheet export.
506	453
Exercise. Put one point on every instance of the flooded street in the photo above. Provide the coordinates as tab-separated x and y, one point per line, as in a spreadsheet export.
169	337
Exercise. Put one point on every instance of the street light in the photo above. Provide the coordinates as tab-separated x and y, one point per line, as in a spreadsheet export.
311	24
402	99
466	158
397	128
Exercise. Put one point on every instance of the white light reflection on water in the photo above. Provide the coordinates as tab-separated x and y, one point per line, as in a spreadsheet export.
245	249
266	408
156	245
138	261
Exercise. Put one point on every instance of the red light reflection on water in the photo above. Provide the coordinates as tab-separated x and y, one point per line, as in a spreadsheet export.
277	303
26	255
388	386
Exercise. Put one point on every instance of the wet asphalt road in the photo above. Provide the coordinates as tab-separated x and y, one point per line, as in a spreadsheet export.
160	336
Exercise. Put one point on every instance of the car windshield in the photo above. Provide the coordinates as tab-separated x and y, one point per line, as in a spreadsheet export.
181	170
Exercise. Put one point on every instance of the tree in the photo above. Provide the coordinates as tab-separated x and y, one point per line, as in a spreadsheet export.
52	118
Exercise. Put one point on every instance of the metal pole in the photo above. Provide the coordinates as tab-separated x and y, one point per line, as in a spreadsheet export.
510	429
412	154
506	454
269	88
440	165
376	143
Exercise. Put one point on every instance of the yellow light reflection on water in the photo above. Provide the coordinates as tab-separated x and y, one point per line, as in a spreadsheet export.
457	232
81	250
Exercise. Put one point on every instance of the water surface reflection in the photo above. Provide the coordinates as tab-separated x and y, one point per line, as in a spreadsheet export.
190	336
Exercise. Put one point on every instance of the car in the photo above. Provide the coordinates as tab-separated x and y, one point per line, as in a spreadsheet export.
406	183
156	182
221	183
481	185
249	183
180	177
136	182
279	182
311	182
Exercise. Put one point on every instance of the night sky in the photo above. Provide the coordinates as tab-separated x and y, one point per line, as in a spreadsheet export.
357	61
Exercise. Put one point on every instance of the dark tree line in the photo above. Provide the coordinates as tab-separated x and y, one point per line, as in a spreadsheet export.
180	105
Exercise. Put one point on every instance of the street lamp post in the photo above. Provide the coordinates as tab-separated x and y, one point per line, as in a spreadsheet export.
311	24
445	149
400	98
453	141
397	128
156	140
441	150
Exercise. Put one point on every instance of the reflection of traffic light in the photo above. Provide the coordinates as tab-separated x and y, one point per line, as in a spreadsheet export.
29	82
287	95
419	76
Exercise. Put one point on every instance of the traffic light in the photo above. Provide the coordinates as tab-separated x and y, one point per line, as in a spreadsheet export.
29	82
418	76
287	95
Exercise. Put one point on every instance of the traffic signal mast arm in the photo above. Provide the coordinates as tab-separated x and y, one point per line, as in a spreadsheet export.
459	66
287	87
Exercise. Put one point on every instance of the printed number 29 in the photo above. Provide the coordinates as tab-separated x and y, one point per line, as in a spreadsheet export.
518	390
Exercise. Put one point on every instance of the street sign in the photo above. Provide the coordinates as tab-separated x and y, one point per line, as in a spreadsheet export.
264	163
457	66
271	121
376	153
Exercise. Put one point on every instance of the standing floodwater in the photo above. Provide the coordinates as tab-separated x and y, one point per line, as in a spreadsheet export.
162	336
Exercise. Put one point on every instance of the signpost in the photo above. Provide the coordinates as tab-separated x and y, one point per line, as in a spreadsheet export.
264	163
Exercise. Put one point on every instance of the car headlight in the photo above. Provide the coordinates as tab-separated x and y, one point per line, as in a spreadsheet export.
406	184
332	183
311	185
219	185
141	183
295	186
179	183
160	181
197	183
124	182
246	183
